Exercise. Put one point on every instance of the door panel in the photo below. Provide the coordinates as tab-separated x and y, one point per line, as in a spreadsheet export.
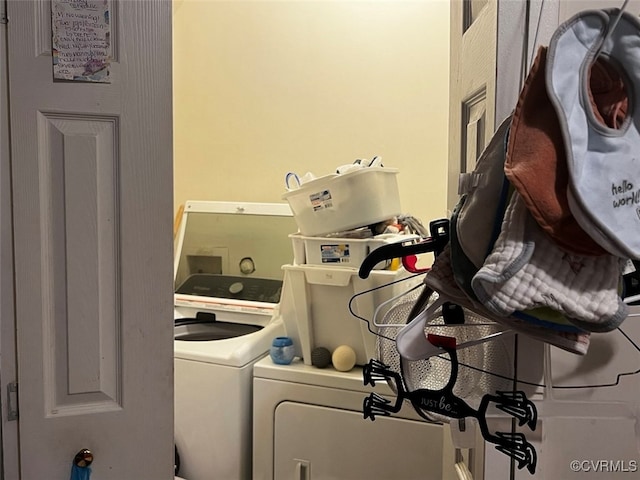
474	118
81	310
92	197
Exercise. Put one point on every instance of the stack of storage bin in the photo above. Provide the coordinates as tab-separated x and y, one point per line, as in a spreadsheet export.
323	296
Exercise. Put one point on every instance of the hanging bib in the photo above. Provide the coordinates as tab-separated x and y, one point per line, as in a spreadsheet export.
536	163
603	163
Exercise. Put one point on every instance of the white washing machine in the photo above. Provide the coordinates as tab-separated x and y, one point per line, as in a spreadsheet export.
308	424
228	283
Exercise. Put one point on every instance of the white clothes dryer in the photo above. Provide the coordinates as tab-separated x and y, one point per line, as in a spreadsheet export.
308	423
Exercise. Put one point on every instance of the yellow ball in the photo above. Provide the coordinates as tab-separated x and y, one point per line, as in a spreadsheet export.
343	358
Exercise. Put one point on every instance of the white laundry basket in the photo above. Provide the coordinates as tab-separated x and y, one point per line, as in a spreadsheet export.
339	202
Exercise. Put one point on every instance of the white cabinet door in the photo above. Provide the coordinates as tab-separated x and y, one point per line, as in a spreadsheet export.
92	197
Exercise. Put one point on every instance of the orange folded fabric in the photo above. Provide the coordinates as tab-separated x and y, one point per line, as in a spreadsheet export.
536	160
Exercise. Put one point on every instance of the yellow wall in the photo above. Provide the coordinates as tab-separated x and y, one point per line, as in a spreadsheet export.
266	87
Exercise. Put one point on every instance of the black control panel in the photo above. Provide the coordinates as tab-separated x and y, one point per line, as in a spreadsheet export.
233	287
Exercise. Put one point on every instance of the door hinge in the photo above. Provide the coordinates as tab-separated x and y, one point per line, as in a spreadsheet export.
12	401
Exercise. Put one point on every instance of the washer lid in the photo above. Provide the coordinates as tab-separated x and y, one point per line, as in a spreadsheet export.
229	258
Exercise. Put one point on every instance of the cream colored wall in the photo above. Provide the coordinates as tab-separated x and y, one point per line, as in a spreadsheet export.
266	87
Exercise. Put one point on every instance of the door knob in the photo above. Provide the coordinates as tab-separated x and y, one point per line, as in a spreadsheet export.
83	458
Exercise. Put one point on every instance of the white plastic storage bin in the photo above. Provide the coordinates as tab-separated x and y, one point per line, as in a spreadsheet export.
341	252
315	307
339	202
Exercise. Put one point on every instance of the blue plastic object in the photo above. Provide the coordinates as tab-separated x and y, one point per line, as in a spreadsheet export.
282	350
80	473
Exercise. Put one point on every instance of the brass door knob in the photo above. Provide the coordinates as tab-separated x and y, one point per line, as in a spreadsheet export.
83	458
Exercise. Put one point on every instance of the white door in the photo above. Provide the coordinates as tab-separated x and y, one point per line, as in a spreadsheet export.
492	46
92	197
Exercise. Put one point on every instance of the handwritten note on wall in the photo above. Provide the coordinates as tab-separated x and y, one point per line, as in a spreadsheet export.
81	40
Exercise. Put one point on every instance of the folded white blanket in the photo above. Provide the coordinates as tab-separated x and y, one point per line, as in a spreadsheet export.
526	269
440	279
